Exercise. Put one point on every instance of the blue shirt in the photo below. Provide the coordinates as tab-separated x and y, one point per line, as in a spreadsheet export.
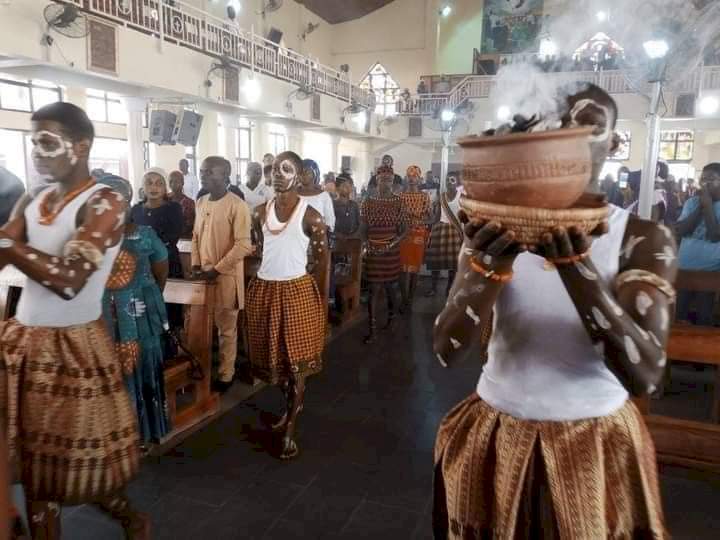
696	252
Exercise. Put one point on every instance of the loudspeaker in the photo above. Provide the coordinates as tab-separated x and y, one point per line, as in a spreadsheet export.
274	35
187	128
162	125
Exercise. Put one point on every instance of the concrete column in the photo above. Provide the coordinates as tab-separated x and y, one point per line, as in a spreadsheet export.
136	164
335	153
227	145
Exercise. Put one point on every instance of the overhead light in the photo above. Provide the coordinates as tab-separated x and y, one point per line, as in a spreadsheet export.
548	47
602	16
708	105
656	48
446	10
251	89
503	113
447	115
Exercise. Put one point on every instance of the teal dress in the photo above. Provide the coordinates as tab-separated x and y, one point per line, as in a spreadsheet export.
134	309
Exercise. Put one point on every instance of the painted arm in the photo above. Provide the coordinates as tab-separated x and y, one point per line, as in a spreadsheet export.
317	232
631	318
66	275
474	293
15	228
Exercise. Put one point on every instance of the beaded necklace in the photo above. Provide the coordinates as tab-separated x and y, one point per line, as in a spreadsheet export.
48	214
271	208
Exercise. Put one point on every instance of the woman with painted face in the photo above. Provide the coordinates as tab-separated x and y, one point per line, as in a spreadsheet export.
162	214
550	446
60	385
382	229
134	310
286	313
416	211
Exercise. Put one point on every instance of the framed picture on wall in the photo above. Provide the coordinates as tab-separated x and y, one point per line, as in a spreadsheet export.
102	46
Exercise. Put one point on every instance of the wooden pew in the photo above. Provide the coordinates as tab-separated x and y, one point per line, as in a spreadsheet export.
190	401
686	442
348	290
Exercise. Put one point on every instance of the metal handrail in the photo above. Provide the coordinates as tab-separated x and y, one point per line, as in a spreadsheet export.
188	26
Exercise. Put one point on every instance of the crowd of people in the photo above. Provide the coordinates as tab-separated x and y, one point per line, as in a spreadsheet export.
692	212
583	314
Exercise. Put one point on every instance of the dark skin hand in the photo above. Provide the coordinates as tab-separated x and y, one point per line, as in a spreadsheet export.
633	324
708	194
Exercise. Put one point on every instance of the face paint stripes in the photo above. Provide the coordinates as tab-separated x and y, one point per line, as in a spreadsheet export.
62	145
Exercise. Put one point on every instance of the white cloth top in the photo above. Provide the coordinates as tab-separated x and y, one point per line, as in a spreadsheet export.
39	306
454	206
542	364
323	203
258	196
284	255
191	186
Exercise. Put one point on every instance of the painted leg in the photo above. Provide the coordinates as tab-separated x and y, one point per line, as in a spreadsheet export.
297	395
136	525
391	301
280	424
44	520
372	307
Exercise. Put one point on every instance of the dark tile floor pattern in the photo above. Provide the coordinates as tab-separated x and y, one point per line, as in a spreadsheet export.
366	438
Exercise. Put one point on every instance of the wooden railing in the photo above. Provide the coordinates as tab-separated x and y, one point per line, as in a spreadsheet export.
177	22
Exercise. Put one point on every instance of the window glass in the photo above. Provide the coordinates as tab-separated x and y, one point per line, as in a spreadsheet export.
44	96
96	110
12	153
117	114
16	97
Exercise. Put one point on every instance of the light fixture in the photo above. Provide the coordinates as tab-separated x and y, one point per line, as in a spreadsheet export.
447	115
656	48
602	16
547	48
503	113
708	105
251	89
446	10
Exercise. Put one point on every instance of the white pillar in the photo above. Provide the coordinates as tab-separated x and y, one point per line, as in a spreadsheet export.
136	164
335	154
227	145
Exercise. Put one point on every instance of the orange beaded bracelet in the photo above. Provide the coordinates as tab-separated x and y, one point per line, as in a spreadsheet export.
489	274
570	260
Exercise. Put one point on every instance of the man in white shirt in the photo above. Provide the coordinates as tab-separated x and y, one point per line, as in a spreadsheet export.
191	181
255	191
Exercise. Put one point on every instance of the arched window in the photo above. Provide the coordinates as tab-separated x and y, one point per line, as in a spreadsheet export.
600	52
386	90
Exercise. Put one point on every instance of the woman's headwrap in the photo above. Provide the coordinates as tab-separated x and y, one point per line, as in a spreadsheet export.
311	165
385	169
414	170
117	184
157	170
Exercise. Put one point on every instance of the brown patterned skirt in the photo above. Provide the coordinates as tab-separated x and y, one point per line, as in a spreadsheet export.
500	477
444	247
385	266
286	328
71	429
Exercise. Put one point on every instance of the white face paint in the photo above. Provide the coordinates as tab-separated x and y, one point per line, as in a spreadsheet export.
60	150
289	172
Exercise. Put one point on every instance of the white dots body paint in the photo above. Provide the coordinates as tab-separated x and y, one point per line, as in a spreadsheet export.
600	319
467	251
96	234
655	339
459	296
612	304
6	243
631	350
54	260
643	302
667	256
455	343
632	243
69	292
651	388
442	361
54	271
102	206
586	272
108	242
487	260
662	361
664	319
32	256
46	283
470	312
640	330
87	266
437	321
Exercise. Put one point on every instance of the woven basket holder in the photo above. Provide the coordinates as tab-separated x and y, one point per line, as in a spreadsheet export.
529	224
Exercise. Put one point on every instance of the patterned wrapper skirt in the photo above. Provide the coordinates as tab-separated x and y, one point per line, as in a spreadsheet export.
383	267
286	328
71	430
444	247
412	250
500	477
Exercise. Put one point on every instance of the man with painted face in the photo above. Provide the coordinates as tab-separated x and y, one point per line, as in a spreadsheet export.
220	243
71	430
285	309
550	446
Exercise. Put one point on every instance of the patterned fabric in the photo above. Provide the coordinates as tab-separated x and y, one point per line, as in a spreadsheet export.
383	218
501	477
412	250
444	247
286	328
188	212
134	311
71	430
415	207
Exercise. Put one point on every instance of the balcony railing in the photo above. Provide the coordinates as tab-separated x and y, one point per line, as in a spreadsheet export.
614	82
176	22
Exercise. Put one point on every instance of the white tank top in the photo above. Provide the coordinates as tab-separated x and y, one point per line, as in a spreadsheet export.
284	255
454	206
542	364
39	306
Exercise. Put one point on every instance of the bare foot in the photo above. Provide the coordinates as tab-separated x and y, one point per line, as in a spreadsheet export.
289	449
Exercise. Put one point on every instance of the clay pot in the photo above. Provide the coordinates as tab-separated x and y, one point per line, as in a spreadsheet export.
547	169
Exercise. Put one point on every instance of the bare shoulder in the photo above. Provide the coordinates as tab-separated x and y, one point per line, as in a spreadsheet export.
312	216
